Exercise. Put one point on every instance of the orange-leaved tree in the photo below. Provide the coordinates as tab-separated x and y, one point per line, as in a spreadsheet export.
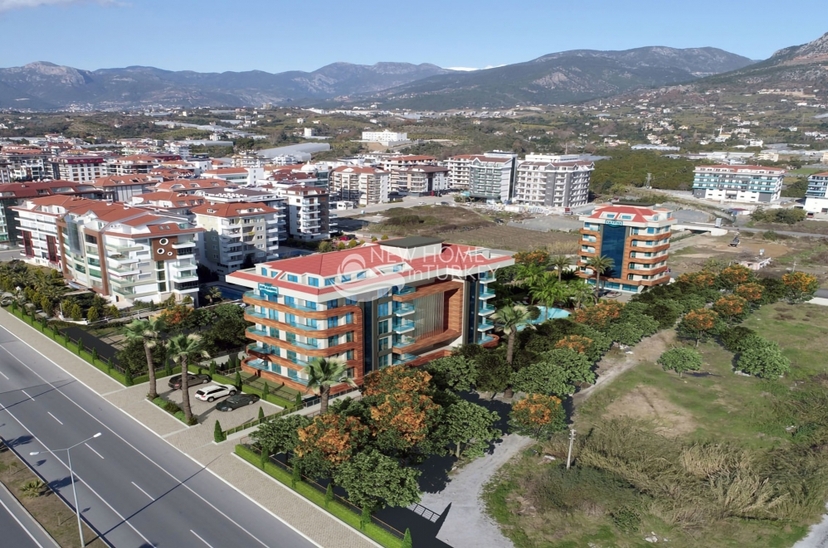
538	416
698	280
730	307
327	442
800	286
734	275
698	323
751	292
600	315
578	343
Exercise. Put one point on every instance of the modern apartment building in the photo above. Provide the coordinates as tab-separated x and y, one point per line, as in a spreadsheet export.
137	164
738	183
550	183
124	253
384	137
421	180
121	188
26	163
636	239
237	233
308	212
403	301
487	176
79	167
168	203
816	197
361	185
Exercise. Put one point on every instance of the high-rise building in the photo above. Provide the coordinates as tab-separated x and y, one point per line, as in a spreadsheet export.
487	176
360	185
738	183
635	239
403	301
816	197
552	182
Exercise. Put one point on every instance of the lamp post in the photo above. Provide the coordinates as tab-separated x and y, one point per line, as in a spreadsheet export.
72	477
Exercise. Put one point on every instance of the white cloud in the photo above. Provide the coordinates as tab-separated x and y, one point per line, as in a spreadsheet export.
6	5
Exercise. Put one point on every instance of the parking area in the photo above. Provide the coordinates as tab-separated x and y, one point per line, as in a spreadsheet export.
207	412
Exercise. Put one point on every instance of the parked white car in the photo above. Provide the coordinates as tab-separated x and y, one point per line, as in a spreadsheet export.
214	391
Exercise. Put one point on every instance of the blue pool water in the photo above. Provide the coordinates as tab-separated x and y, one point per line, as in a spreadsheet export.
548	314
230	293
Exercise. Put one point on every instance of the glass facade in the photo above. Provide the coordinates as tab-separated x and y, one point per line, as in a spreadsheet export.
612	246
429	315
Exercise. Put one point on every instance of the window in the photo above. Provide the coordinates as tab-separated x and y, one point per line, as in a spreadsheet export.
382	327
162	287
333	303
382	310
313	282
292	278
264	271
333	340
290	301
361	275
311	323
351	302
346	277
333	321
349	355
330	281
384	343
310	304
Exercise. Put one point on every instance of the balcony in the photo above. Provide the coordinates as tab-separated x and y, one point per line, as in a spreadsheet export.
122	259
302	326
124	270
259	348
184	245
188	264
256	331
403	327
272	297
485	326
405	290
185	276
403	359
487	277
486	339
401	341
306	346
251	311
125	248
485	310
403	309
486	294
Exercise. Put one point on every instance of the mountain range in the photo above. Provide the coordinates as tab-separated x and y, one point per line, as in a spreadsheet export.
564	77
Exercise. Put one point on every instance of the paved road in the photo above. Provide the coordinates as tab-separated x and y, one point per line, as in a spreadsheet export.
134	489
18	527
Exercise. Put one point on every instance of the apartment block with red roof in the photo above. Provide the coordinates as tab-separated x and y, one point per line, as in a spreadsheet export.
121	188
552	183
738	183
27	163
636	239
402	301
359	184
124	253
236	233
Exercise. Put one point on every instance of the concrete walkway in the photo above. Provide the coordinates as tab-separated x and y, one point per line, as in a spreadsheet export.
197	443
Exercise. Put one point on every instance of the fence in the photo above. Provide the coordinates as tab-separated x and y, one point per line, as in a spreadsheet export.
256	422
340	507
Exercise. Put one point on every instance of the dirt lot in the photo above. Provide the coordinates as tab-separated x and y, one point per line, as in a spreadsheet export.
647	403
48	508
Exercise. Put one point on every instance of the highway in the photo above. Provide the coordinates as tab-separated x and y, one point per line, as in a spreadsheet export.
17	527
134	489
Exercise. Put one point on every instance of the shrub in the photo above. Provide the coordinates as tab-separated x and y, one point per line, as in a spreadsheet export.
238	381
218	433
680	360
735	338
763	358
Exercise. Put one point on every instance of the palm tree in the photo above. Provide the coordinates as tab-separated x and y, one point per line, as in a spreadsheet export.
213	294
579	293
561	263
181	348
149	331
323	374
548	291
509	319
599	265
529	274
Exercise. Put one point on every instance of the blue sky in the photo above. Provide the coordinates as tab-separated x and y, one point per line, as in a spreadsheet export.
275	36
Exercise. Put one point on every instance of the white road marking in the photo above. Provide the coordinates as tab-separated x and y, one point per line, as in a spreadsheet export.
27	394
4	375
164	470
8	510
54	417
199	538
147	494
90	448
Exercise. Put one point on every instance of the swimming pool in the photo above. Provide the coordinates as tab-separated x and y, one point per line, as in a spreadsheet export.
548	314
230	294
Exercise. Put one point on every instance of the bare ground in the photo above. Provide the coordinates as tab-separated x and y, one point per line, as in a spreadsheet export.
647	403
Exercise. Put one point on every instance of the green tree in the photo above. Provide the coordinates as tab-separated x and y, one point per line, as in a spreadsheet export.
455	372
237	382
548	291
737	339
509	320
599	266
281	434
407	542
561	263
763	359
76	313
92	315
468	426
680	359
46	305
218	433
556	372
113	312
148	332
628	333
538	416
494	372
374	480
579	292
183	348
323	374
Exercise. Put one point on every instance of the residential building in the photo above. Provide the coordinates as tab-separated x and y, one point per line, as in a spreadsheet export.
396	165
636	239
738	183
361	185
421	180
237	233
487	176
236	175
26	163
168	203
403	301
816	197
136	164
80	167
385	137
550	183
308	213
194	186
121	188
5	173
124	253
13	194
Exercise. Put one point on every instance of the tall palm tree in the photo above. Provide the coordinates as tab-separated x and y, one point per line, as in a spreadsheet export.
323	374
579	293
149	332
181	348
529	274
561	263
599	265
213	294
509	319
548	291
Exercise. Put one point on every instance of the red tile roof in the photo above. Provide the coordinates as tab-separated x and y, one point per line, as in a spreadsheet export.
235	209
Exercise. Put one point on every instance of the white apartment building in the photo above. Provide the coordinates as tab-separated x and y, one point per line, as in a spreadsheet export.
309	216
236	175
26	163
384	137
5	173
738	183
816	197
397	165
121	188
550	183
421	180
488	176
238	233
124	253
81	168
361	185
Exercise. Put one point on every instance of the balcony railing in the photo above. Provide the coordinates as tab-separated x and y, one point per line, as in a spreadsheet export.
484	326
403	309
403	327
485	339
259	332
403	340
258	347
302	326
306	346
486	294
403	359
485	310
405	290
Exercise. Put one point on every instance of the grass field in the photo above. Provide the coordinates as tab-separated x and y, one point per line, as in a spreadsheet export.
714	407
468	226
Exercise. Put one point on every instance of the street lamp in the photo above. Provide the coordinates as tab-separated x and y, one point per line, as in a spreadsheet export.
72	477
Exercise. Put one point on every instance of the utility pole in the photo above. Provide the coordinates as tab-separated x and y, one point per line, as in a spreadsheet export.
569	453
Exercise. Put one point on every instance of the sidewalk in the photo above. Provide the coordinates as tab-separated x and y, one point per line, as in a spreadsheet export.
197	443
